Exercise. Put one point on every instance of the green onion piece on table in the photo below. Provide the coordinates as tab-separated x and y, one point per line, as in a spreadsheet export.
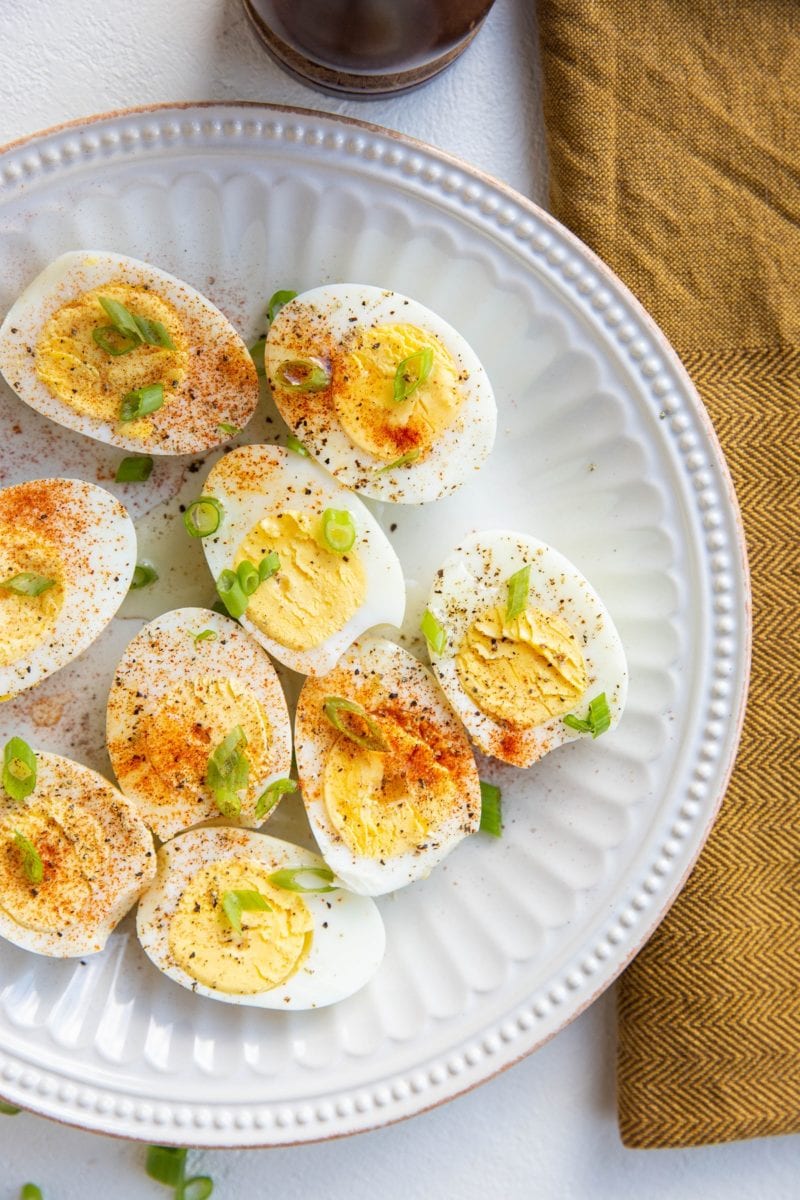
272	794
203	516
19	769
136	469
491	814
373	739
411	373
30	1191
144	574
257	351
289	878
296	446
8	1110
166	1164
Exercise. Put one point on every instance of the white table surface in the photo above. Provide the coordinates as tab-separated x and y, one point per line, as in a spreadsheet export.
546	1129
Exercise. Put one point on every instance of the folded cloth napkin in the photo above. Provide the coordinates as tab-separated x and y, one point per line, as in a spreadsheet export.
674	138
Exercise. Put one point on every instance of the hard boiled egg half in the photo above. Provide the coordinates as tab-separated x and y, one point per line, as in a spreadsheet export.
231	916
298	559
386	770
126	353
74	857
67	556
523	647
192	693
383	392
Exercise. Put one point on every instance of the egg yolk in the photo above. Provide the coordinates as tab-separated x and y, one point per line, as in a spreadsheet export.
386	804
363	375
26	621
89	379
72	846
522	671
169	754
315	591
272	944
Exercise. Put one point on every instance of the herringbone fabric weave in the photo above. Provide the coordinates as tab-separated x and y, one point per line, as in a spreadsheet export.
674	132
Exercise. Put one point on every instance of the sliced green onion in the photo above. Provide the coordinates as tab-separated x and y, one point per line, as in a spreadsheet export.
32	864
598	718
434	632
276	302
412	372
491	814
166	1164
302	375
141	402
109	338
272	794
296	446
257	351
228	771
131	326
235	903
199	1187
404	460
19	769
231	594
289	879
269	566
518	586
333	706
205	635
144	574
228	429
203	517
30	1191
135	469
27	583
338	530
248	578
8	1110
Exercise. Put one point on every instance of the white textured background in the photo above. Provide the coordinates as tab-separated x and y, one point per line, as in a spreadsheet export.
545	1130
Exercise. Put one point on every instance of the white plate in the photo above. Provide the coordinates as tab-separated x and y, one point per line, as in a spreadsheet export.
603	450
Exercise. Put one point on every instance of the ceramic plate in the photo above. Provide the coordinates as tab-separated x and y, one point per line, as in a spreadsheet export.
603	450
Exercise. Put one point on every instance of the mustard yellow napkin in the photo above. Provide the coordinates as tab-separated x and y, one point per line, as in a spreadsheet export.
674	136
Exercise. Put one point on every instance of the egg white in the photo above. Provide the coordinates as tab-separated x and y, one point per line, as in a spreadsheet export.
166	651
456	454
252	482
348	939
96	542
381	664
473	579
190	424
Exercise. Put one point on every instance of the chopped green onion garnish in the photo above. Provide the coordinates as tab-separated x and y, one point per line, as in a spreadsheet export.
434	632
142	329
289	879
143	575
518	586
248	578
276	302
598	719
228	429
412	372
296	446
30	1191
302	375
141	402
109	338
203	517
491	815
199	1187
27	583
272	794
333	706
231	593
32	864
135	469
235	903
19	769
205	635
166	1164
257	354
228	771
404	460
338	530
269	566
8	1110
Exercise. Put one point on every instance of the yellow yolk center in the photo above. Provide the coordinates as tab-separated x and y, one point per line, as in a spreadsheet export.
25	621
272	944
185	728
71	844
522	671
363	391
386	804
89	379
315	592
